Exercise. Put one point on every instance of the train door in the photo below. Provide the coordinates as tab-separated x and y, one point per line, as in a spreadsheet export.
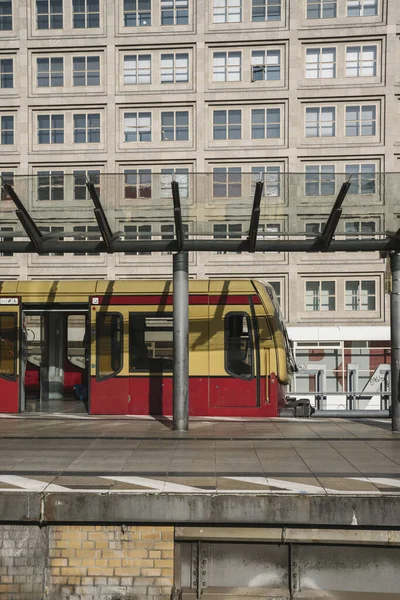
109	380
234	366
9	368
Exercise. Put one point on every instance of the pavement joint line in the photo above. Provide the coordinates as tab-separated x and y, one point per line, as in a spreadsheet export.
200	438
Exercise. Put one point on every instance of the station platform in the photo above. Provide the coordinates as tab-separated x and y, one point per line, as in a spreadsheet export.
313	471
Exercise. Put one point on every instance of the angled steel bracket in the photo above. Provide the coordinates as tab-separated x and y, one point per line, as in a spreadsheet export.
177	215
255	216
32	231
324	240
104	226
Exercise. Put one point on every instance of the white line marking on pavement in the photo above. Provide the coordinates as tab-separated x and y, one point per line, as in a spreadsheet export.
33	485
285	485
379	480
161	486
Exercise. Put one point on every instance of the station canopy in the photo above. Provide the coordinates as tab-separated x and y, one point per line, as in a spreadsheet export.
223	211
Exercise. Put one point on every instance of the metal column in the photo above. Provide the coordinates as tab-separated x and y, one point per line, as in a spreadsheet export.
181	341
395	338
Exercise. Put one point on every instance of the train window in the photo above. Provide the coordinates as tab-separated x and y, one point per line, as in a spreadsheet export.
238	345
109	341
78	340
151	342
8	346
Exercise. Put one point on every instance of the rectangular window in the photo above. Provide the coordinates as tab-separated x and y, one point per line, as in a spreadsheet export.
168	233
363	178
175	126
360	295
93	236
266	65
181	177
315	228
52	229
361	61
109	344
360	120
6	177
6	73
320	63
7	130
8	346
174	12
85	14
227	66
6	15
320	180
227	231
360	229
362	8
50	185
276	285
271	176
227	11
266	10
227	125
137	127
87	129
81	177
238	345
86	70
266	123
175	68
321	9
137	232
6	238
320	121
227	183
137	69
137	183
320	295
50	72
137	13
151	342
49	14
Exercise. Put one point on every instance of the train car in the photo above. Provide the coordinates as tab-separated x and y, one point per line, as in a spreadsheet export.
106	347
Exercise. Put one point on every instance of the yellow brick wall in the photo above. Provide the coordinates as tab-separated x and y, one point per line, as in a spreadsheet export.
132	562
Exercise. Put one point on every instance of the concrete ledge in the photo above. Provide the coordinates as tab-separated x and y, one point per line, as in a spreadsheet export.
20	507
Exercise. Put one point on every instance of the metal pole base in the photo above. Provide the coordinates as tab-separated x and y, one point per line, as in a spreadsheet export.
181	341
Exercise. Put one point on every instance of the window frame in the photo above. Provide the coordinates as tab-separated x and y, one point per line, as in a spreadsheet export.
155	371
251	332
375	295
319	296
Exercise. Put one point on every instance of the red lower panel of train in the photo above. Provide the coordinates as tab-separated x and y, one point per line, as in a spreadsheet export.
9	399
153	396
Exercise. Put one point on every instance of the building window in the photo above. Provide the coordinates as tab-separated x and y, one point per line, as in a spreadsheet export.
277	287
321	9
52	229
360	120
6	73
320	121
137	13
50	185
50	72
227	66
5	15
315	228
50	129
49	14
271	175
265	123
361	61
6	177
168	233
175	126
360	295
360	229
81	178
266	65
266	10
86	70
137	184
175	68
137	127
181	177
137	232
7	130
174	12
227	182
320	295
362	8
227	125
227	11
320	180
137	69
87	129
227	231
85	14
91	230
6	239
363	178
320	63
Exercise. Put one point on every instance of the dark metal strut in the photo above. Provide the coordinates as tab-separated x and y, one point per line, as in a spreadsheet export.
104	226
177	215
255	216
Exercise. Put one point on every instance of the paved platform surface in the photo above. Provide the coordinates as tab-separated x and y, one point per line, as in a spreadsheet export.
329	457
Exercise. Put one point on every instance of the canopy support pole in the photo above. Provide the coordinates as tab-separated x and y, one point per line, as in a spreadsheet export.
395	338
181	341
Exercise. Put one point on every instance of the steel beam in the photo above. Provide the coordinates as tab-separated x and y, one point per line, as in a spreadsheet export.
395	338
326	237
181	341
